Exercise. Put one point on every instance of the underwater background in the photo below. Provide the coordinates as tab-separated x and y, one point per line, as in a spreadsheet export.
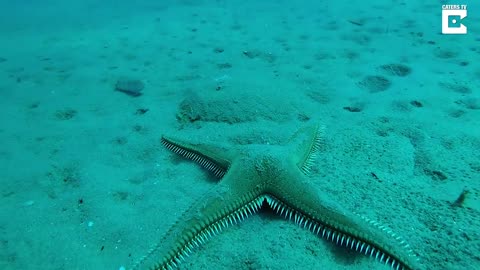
89	87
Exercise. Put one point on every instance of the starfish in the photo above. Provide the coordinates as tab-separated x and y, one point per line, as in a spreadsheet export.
275	176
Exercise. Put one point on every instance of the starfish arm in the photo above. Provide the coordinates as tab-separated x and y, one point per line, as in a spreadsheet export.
308	209
307	142
214	158
208	216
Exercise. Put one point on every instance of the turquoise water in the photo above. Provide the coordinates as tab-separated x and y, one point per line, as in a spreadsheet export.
90	87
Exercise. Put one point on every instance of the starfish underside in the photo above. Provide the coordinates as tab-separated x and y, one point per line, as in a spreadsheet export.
274	175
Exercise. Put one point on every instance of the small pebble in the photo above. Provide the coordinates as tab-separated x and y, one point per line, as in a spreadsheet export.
29	203
131	87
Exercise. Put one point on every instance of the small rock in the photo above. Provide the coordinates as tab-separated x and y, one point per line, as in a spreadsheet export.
416	103
352	109
141	111
131	87
29	203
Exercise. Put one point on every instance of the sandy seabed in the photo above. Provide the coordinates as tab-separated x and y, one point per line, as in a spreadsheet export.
86	183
